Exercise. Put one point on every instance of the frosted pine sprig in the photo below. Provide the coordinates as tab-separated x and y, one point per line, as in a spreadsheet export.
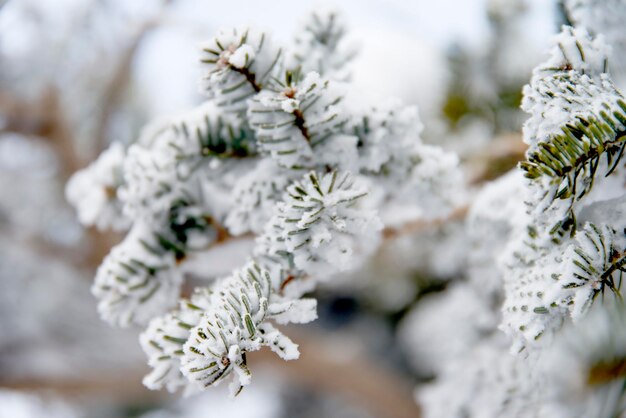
236	323
137	280
166	177
164	338
411	173
150	175
605	17
594	267
295	117
389	135
168	168
238	63
551	98
206	133
577	125
320	225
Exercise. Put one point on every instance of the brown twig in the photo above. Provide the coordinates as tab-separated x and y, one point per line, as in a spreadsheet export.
250	77
502	154
44	119
420	225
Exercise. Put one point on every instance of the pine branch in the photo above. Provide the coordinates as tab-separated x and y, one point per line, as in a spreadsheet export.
319	226
295	116
239	63
235	324
576	151
578	118
594	261
137	280
164	338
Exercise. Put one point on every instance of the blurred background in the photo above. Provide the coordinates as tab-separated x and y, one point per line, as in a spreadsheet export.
76	75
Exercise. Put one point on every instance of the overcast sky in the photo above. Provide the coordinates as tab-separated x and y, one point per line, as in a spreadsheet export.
437	21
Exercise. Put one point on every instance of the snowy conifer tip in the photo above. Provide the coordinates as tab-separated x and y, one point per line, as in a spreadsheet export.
295	116
563	259
136	281
577	124
575	54
236	323
239	62
320	224
163	342
595	264
604	17
389	137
